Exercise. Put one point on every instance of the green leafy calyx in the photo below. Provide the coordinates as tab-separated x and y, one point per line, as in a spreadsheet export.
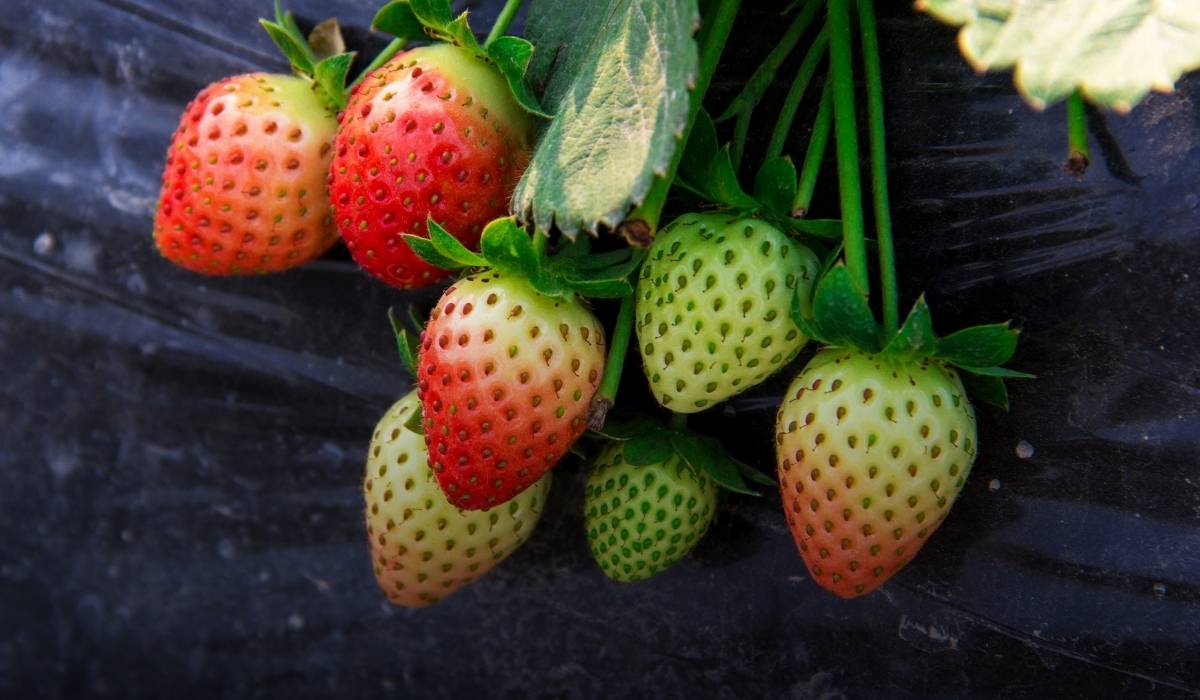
321	57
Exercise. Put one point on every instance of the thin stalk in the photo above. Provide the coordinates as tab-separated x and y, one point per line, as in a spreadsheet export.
879	179
816	152
844	124
393	47
618	346
539	243
787	114
640	225
507	14
1078	153
741	129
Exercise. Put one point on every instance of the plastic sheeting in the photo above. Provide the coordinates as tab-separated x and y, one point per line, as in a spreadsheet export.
180	508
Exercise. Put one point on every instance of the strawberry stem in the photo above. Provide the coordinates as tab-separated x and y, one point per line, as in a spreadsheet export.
787	114
844	122
1078	154
507	14
393	47
879	185
817	144
606	395
639	227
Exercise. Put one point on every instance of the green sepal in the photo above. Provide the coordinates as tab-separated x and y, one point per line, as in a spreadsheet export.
451	247
427	251
700	150
755	475
602	289
1000	372
775	185
802	316
511	56
330	76
825	229
508	248
406	343
725	188
398	19
705	455
653	447
986	388
416	421
915	338
841	314
979	346
433	13
293	46
599	260
626	427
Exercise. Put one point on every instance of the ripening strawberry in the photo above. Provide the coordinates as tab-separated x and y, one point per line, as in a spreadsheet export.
640	520
433	132
505	376
423	548
872	452
713	307
244	189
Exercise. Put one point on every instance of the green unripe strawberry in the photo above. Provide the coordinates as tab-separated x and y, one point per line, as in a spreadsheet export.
424	548
872	452
713	307
642	519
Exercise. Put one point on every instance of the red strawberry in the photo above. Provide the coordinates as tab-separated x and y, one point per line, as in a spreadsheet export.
433	132
244	186
505	376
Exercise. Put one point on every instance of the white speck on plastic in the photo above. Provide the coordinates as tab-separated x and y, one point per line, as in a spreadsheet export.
44	244
295	621
1024	450
1160	590
994	485
226	549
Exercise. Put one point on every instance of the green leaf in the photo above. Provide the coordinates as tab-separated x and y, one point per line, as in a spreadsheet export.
1002	372
433	13
706	456
293	47
986	389
802	317
416	422
775	185
915	338
755	475
602	289
653	447
451	247
397	18
407	343
427	251
458	31
508	248
511	55
330	75
1114	51
841	312
826	229
325	40
615	73
979	346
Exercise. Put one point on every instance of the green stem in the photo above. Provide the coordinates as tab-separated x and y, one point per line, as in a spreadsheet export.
678	422
879	183
816	152
384	56
1078	153
617	349
844	122
787	114
640	225
507	14
741	128
539	243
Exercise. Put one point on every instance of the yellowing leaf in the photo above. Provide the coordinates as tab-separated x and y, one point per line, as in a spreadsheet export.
1115	51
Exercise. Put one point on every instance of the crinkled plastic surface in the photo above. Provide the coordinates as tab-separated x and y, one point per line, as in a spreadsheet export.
180	508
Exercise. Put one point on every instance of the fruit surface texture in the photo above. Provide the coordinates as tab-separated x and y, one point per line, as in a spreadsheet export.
434	132
640	520
506	376
713	307
422	547
244	187
872	452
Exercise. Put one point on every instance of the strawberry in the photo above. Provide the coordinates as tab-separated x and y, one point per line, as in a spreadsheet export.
505	375
423	548
872	450
243	190
640	520
434	132
713	307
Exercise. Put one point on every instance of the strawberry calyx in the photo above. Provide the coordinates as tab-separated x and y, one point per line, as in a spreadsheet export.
837	314
417	20
507	247
321	57
649	441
